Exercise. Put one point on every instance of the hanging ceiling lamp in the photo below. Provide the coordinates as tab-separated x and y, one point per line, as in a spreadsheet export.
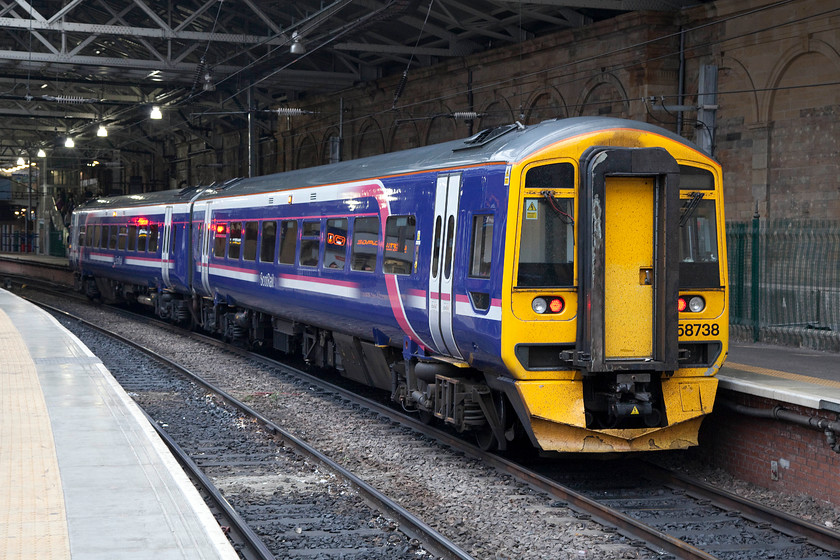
297	47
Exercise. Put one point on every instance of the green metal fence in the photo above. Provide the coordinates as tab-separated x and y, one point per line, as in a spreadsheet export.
784	280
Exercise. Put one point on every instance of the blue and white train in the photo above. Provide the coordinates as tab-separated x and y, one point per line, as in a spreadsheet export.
563	282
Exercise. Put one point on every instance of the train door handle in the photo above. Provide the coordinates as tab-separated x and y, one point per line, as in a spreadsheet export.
645	276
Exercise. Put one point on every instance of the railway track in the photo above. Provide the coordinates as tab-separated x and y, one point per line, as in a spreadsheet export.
238	444
673	516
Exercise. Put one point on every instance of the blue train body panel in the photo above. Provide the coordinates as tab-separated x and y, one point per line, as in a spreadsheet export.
334	293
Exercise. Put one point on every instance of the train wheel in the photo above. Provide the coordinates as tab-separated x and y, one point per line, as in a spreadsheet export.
485	437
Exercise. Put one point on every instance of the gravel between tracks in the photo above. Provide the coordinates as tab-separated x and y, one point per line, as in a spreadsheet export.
488	514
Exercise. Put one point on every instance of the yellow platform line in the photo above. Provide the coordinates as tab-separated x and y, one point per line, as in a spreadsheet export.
783	375
33	523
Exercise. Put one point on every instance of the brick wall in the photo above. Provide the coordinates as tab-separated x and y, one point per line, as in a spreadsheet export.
778	121
747	447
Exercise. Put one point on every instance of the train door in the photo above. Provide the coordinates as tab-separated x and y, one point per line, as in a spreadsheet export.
629	275
206	247
165	249
628	272
75	248
441	296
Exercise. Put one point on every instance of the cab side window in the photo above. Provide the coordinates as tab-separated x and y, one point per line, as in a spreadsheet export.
481	255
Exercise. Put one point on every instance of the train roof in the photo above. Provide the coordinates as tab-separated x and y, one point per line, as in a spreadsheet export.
504	144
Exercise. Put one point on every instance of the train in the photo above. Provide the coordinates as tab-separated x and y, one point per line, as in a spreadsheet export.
562	284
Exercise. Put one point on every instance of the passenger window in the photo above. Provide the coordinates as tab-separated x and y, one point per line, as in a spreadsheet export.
365	244
153	238
547	242
114	235
82	236
235	240
288	241
249	243
482	246
132	238
399	245
219	241
269	241
335	251
142	236
310	243
121	239
97	233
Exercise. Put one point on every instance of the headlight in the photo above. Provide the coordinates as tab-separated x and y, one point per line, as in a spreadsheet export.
696	304
539	305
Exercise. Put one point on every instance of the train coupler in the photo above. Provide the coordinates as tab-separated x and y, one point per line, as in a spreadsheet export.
623	400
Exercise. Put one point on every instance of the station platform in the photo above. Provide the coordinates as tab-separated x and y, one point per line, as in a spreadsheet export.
83	475
799	376
44	267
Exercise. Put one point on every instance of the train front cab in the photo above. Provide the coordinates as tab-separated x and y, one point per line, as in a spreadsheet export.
611	244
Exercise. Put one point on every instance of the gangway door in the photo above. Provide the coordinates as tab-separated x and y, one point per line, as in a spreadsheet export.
628	260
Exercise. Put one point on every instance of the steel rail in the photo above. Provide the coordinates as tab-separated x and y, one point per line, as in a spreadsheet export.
409	523
602	514
254	548
818	536
780	521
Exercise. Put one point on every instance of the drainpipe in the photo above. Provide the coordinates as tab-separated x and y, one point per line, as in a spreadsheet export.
829	427
681	79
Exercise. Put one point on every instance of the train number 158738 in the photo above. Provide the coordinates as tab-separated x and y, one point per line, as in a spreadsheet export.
698	329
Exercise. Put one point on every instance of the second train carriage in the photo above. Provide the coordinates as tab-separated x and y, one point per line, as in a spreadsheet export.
566	280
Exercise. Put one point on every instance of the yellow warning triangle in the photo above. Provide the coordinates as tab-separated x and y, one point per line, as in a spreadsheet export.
635	411
532	207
